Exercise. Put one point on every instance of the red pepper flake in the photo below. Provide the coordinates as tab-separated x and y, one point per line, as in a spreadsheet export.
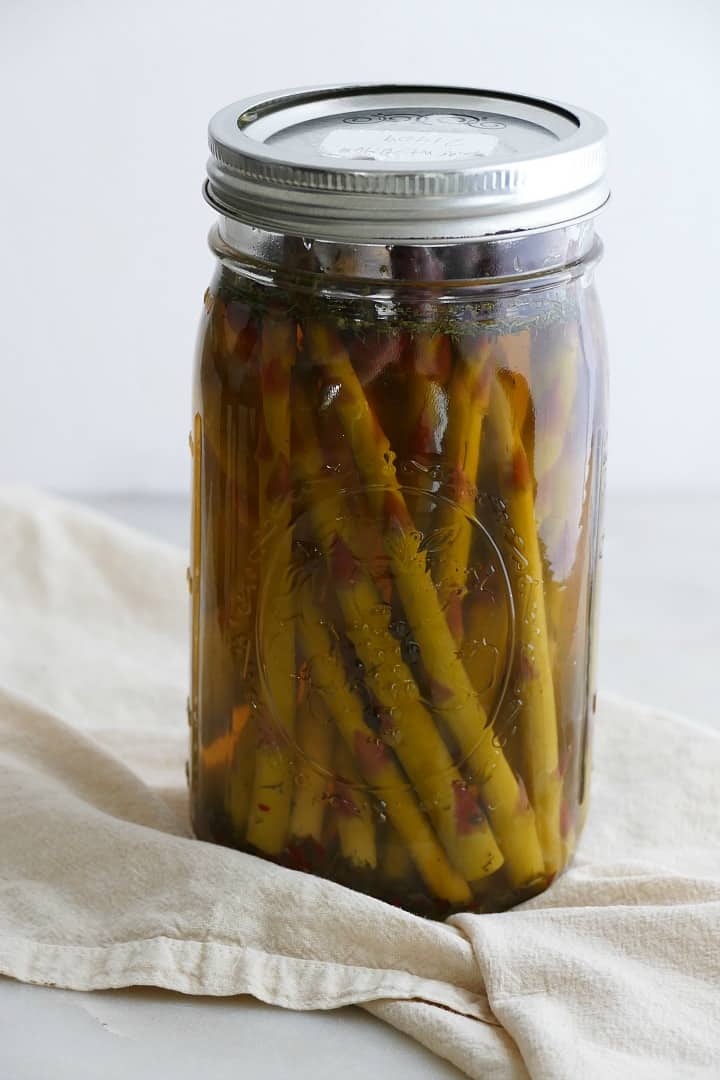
267	736
387	726
263	806
305	853
371	753
296	856
468	814
342	801
303	678
439	693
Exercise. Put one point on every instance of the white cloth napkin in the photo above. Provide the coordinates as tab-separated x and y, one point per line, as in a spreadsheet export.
614	972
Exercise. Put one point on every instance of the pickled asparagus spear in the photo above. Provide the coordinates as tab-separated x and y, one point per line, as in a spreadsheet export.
568	601
227	767
563	530
539	723
229	344
559	428
313	782
428	361
485	647
352	809
468	400
406	725
510	814
554	378
240	776
216	495
244	718
228	594
486	617
375	762
272	786
312	466
396	863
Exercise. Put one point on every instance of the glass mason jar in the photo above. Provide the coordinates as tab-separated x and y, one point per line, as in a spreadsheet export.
398	449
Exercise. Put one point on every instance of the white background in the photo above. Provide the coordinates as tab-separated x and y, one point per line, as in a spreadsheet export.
103	260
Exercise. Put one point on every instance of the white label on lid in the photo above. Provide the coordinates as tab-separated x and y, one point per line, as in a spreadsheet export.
388	144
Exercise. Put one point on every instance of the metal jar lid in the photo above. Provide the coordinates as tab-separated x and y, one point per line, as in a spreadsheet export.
375	164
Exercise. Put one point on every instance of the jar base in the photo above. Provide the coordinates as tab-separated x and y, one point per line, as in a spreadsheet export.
493	895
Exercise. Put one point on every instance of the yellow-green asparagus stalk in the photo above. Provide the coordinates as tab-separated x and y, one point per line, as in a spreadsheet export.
560	450
567	600
428	364
468	400
375	761
396	863
228	598
272	785
485	646
241	765
229	343
510	814
227	765
315	736
242	601
406	724
539	722
558	473
428	357
554	380
352	809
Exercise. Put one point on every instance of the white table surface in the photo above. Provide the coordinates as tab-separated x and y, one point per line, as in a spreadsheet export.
659	643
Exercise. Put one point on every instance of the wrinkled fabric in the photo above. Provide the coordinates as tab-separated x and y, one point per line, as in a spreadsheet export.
613	972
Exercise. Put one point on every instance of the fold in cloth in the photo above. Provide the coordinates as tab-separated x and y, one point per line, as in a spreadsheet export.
614	972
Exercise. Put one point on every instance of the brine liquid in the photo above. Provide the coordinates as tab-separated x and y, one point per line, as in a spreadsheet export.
395	534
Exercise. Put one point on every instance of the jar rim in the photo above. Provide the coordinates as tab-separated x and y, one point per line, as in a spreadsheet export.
489	262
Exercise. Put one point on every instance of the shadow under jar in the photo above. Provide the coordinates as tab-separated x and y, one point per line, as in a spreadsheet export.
398	451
